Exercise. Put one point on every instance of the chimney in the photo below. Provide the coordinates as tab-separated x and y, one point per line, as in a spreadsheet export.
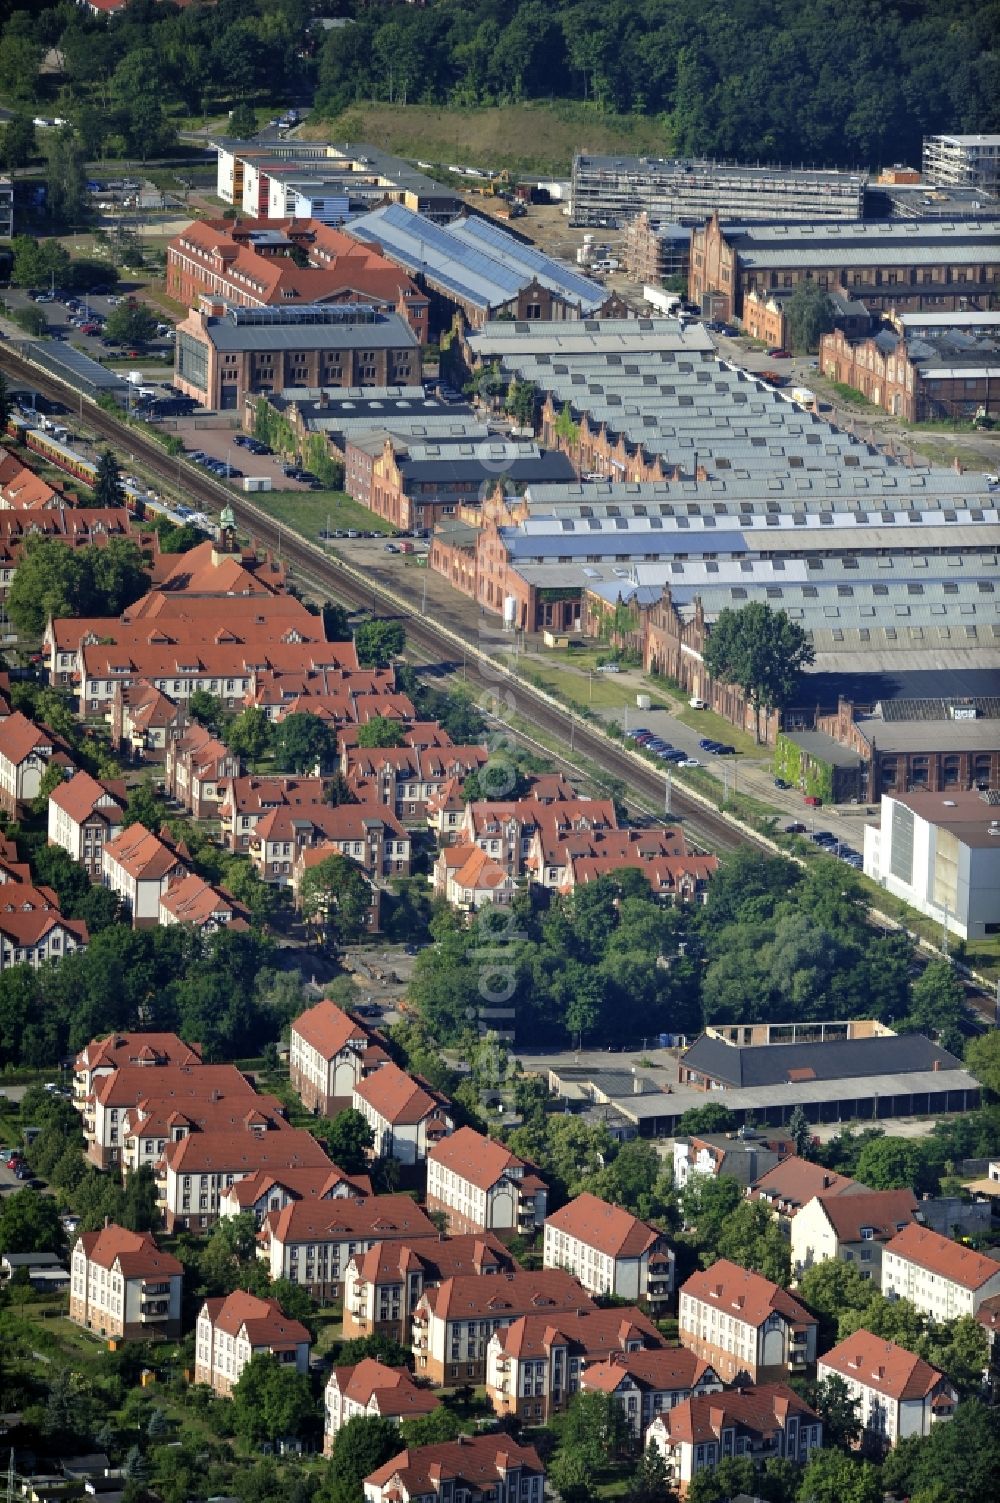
827	1181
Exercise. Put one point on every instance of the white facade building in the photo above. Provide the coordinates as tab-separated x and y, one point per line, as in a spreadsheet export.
940	852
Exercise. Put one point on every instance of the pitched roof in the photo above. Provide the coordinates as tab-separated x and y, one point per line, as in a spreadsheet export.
960	1265
398	1098
468	1296
329	1029
119	1049
191	900
885	1211
481	1161
142	855
184	1081
760	1409
19	737
661	1369
613	1231
80	795
265	1322
440	1257
315	1182
595	1333
136	1253
395	1393
376	1218
753	1298
245	1152
770	1064
795	1180
475	1460
882	1365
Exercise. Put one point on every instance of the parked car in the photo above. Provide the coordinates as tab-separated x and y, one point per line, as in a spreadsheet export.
722	750
781	783
795	828
779	354
690	762
813	800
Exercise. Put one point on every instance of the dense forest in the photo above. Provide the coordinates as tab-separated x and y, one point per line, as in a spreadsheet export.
815	81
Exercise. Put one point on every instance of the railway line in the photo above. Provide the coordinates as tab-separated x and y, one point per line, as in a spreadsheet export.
429	644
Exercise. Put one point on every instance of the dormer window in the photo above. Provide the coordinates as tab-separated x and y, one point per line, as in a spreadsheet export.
867	1234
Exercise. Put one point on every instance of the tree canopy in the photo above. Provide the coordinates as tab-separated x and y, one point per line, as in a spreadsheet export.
53	580
760	650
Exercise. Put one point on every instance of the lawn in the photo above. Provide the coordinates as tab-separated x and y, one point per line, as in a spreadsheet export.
519	136
313	512
595	691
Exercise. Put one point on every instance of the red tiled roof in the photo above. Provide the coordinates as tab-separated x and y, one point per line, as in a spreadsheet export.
882	1210
609	1229
882	1365
960	1265
750	1296
265	1322
80	795
760	1410
136	1253
479	1160
795	1181
188	1081
475	1460
192	900
595	1333
314	1183
439	1257
377	1218
119	1049
468	1296
392	1388
19	736
245	1152
398	1098
329	1029
660	1369
142	855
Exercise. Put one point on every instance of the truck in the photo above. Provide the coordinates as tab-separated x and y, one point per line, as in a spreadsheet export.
803	396
256	483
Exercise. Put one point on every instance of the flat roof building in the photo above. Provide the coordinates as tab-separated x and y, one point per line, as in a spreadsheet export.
963	161
940	852
224	353
608	191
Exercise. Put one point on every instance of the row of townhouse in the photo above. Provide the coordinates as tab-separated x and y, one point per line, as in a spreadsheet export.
231	1331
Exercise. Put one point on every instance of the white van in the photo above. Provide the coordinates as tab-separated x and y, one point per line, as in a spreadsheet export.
698	704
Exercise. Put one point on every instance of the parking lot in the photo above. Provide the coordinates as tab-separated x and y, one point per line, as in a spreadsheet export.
216	437
59	323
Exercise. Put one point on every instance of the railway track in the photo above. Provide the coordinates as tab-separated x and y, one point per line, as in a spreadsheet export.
428	644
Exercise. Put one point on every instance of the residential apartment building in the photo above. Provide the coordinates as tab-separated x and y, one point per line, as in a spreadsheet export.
191	900
646	1382
482	1187
853	1228
268	1190
84	814
283	843
257	263
609	191
405	778
610	1251
741	1323
963	162
373	1391
32	929
224	353
383	1285
233	1330
103	1056
900	1394
312	1242
902	265
405	1113
745	1158
330	1050
452	1324
246	800
788	1186
139	866
150	1125
26	750
182	1085
467	877
536	1364
122	1285
193	1174
196	766
489	1467
758	1423
944	1279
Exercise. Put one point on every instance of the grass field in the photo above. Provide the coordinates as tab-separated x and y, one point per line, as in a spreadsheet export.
712	726
313	512
540	136
596	691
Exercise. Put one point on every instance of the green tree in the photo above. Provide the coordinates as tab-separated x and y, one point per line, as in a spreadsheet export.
571	1476
381	731
982	1054
839	1411
108	488
595	1428
336	896
734	1474
379	1346
707	1202
894	1164
131	323
38	264
271	1401
959	1461
650	1481
349	1140
17	144
304	743
50	581
520	402
712	1117
359	1448
638	1180
753	1238
29	1222
378	642
229	1250
832	1477
66	176
145	806
809	315
800	1132
250	735
208	710
763	652
243	121
4	403
442	1424
52	778
336	622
